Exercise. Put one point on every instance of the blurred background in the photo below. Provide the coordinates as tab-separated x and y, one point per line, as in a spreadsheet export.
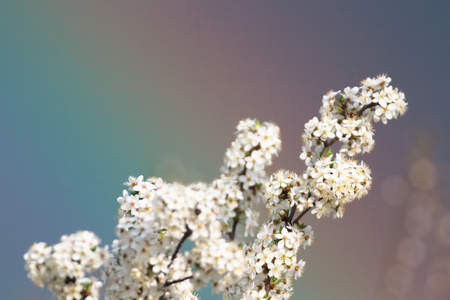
92	92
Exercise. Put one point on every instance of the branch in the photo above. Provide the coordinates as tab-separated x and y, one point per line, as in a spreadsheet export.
177	281
268	283
291	214
344	110
359	113
327	145
232	234
301	215
187	234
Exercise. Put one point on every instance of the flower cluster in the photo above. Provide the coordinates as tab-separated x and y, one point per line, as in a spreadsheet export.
334	183
243	173
156	218
66	268
271	261
327	186
174	239
278	192
136	201
347	116
148	262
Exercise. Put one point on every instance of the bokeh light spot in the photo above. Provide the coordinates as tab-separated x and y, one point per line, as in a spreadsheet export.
395	190
423	174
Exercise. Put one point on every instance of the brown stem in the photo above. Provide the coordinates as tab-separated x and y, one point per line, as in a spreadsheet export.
344	110
267	282
301	215
187	234
177	281
327	145
370	105
291	214
232	234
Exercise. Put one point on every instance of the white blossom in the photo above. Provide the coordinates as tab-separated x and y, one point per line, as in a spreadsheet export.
155	220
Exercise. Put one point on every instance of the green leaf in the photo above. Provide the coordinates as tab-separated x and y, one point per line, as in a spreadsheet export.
161	232
277	281
341	99
329	152
94	248
86	286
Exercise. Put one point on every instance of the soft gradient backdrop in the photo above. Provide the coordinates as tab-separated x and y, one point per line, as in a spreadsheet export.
94	91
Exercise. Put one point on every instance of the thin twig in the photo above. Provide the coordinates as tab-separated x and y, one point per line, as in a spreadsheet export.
267	282
232	234
359	113
177	281
301	215
327	145
344	110
292	213
187	234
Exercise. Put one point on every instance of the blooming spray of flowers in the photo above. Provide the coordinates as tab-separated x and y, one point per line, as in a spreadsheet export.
155	218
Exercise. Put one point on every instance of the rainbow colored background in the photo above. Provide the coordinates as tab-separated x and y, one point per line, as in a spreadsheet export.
92	92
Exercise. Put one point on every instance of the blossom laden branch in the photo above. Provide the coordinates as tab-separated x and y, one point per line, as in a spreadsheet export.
326	187
155	219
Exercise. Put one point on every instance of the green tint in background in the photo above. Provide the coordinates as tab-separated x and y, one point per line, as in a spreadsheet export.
92	92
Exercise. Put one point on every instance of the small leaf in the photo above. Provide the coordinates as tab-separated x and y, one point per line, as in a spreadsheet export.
86	286
161	232
329	152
